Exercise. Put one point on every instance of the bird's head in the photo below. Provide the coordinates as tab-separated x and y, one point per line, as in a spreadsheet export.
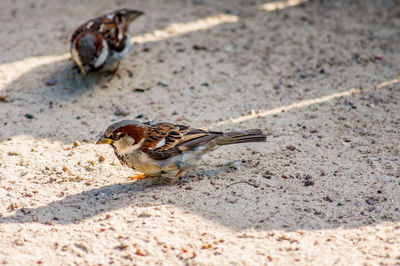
89	51
125	136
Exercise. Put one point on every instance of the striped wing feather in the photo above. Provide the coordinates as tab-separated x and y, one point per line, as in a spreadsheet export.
165	140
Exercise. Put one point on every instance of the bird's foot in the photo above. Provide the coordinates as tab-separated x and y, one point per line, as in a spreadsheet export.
138	177
173	180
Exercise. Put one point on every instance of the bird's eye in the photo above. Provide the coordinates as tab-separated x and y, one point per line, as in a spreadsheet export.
116	136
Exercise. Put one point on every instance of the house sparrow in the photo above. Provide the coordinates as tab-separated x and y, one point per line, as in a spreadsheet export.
160	148
100	43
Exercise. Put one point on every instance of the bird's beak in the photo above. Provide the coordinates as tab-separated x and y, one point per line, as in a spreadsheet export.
104	140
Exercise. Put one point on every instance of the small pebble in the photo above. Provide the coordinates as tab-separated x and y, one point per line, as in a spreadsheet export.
119	112
144	215
162	84
29	116
235	165
327	198
308	183
387	178
291	148
51	82
199	47
370	201
140	252
138	90
19	242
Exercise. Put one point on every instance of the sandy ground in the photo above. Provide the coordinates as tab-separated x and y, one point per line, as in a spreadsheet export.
320	78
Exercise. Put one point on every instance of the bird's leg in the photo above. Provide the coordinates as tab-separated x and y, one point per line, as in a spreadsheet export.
115	72
173	180
138	177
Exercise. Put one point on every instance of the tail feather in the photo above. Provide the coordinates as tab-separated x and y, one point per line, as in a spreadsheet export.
252	135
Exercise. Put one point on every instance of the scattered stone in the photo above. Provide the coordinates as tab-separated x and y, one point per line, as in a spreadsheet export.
119	112
291	148
139	90
12	207
308	183
51	82
29	116
370	201
76	143
180	118
121	247
234	165
140	252
19	242
144	215
162	84
388	178
327	198
267	176
81	247
199	47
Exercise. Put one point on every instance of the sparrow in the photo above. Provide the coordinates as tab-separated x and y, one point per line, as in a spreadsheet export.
100	43
165	149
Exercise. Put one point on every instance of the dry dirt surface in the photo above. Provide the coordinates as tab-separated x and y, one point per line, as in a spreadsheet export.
321	78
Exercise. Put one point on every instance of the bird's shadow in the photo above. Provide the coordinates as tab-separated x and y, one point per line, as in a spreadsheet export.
84	205
71	208
66	82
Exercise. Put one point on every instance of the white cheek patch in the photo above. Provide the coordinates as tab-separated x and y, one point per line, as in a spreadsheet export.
75	57
123	147
103	55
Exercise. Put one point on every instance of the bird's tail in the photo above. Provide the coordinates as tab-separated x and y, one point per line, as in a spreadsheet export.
251	135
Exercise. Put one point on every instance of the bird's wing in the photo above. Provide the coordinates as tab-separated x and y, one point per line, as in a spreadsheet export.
165	140
112	26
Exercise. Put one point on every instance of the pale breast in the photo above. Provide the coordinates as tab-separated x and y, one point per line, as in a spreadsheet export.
141	162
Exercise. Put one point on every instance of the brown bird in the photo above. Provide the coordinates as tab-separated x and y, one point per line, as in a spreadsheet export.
100	43
164	149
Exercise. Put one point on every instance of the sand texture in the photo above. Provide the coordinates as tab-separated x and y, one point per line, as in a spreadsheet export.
320	78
